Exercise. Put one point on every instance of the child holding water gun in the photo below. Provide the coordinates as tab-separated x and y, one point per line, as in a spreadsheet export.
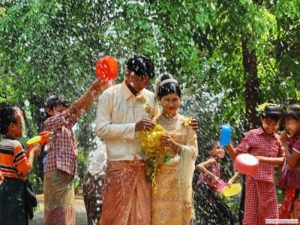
14	167
265	145
210	207
290	177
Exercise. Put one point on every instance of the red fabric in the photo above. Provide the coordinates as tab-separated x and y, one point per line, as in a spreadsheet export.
287	203
291	178
127	194
62	151
60	216
290	208
260	202
295	143
204	179
257	143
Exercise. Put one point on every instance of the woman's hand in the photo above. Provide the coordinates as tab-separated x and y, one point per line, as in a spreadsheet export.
168	141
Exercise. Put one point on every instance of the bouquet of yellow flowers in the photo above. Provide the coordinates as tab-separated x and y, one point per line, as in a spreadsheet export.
151	146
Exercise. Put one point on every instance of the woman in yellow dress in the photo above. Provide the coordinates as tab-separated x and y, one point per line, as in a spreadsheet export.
172	202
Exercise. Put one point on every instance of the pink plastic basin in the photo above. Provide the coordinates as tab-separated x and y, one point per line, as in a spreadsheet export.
246	164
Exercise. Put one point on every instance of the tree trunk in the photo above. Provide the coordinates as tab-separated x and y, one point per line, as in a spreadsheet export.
251	85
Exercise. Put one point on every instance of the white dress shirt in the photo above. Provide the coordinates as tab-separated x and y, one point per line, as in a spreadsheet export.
117	113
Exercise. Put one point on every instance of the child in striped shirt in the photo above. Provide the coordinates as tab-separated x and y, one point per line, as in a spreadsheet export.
14	166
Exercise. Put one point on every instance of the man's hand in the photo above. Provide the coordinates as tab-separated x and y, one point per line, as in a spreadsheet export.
194	124
144	124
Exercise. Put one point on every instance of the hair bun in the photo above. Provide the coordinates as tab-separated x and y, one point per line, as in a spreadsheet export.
162	80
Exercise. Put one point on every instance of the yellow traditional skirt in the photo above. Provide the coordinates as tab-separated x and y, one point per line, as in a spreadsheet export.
167	204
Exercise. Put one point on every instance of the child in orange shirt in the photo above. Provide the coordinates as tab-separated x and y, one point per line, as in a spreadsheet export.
14	167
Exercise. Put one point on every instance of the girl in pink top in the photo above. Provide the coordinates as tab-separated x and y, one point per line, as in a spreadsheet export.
210	207
290	177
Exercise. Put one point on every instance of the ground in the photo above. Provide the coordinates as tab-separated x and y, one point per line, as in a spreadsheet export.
80	211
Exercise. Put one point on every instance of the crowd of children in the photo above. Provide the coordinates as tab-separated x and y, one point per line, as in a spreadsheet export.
272	151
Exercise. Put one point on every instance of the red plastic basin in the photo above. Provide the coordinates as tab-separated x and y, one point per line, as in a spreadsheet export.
246	164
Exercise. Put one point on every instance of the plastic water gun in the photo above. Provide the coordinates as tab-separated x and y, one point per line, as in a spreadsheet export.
41	139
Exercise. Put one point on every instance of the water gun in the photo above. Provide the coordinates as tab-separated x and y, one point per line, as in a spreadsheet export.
41	139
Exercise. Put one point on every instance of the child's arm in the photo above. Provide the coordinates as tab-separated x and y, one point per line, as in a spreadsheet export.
243	147
201	167
233	179
32	153
23	163
278	161
291	157
231	151
1	177
82	104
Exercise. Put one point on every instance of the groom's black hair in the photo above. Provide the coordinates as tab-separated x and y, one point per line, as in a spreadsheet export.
141	66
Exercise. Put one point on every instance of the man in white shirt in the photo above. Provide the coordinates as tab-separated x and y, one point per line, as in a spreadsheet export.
123	111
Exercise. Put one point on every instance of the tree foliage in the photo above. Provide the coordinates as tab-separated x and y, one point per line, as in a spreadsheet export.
52	46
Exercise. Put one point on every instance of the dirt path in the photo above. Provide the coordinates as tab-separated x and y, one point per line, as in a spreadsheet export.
79	206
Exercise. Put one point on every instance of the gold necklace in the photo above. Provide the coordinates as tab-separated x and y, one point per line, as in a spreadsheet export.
168	123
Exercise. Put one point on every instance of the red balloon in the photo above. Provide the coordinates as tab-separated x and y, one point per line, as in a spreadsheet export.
107	67
246	164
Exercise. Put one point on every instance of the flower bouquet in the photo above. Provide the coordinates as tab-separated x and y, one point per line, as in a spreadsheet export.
151	147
